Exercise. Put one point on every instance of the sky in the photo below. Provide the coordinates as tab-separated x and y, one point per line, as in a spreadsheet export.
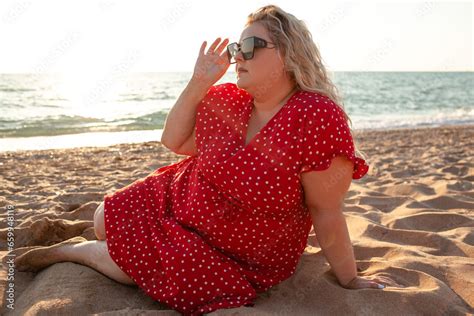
90	36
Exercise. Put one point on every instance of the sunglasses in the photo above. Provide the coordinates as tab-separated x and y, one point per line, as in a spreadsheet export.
247	48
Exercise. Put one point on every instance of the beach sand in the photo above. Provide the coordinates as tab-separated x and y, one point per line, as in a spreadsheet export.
410	218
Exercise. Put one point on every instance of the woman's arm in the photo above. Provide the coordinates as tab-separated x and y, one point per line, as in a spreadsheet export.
324	195
181	119
336	244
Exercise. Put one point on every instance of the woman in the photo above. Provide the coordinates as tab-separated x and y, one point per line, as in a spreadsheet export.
268	157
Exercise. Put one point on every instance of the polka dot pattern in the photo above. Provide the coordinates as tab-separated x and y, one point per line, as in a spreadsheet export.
326	134
213	230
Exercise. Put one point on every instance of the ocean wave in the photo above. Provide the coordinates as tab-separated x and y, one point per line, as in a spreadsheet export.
160	95
462	116
72	124
15	90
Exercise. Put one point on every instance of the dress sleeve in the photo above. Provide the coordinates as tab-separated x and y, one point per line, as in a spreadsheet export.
326	135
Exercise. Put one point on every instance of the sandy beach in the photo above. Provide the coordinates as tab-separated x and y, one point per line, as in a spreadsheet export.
411	218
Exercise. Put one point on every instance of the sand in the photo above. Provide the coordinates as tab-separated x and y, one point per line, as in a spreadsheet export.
411	218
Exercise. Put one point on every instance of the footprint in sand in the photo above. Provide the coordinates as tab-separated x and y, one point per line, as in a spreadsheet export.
33	259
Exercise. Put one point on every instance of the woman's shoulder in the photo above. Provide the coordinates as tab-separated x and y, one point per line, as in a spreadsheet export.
224	97
226	92
228	88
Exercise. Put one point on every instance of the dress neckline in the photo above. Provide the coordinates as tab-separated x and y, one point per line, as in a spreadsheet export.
249	108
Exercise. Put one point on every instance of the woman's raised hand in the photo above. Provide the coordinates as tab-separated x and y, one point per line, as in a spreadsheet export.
213	64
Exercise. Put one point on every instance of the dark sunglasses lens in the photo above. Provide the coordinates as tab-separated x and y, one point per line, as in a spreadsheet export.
247	48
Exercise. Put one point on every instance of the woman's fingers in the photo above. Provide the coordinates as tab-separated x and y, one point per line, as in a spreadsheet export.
223	55
203	47
363	283
213	46
222	46
376	282
388	281
212	49
372	284
219	51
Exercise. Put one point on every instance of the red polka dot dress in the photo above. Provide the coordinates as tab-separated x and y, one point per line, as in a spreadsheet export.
213	230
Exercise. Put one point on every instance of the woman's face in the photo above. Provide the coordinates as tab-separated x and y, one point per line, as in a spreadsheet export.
264	70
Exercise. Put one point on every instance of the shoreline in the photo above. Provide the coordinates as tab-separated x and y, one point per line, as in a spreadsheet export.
157	133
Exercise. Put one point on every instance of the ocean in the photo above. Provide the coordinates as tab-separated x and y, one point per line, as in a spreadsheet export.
43	111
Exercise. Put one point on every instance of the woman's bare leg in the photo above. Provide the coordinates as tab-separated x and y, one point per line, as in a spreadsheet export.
92	253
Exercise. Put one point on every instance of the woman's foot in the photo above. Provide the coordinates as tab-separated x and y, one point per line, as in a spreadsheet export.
36	258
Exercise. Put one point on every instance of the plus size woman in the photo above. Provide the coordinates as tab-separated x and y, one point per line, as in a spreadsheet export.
268	158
